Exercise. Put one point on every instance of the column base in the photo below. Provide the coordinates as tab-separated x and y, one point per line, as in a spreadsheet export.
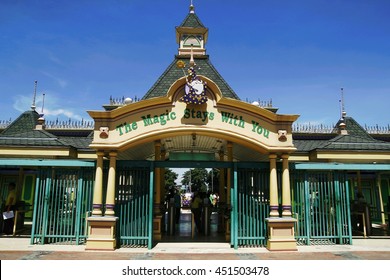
281	235
101	233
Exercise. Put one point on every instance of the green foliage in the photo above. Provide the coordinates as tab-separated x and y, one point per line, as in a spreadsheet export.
197	177
170	178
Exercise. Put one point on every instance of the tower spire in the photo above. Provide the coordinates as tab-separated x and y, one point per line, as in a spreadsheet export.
342	127
35	95
43	102
192	8
343	113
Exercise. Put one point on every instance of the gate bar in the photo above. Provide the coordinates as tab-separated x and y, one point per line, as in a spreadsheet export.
151	201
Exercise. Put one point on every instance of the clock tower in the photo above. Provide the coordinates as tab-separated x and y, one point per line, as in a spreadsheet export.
192	34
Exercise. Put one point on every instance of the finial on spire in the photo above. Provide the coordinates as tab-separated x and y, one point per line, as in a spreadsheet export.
192	8
343	113
342	128
43	102
41	120
35	95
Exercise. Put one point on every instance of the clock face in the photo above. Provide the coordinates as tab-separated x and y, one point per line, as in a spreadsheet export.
197	86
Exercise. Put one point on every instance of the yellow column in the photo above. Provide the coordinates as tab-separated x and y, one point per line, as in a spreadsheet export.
286	191
222	196
110	198
98	187
378	184
273	188
157	209
162	176
157	176
229	179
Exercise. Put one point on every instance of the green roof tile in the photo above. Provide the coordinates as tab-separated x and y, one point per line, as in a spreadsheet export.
357	139
203	67
26	121
193	21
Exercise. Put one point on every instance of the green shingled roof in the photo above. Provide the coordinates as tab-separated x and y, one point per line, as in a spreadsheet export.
354	129
22	132
172	73
26	121
352	142
193	21
357	139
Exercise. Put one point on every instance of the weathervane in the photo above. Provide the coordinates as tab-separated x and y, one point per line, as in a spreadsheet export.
195	89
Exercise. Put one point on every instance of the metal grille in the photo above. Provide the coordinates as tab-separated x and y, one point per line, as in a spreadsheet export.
321	207
133	201
250	202
63	202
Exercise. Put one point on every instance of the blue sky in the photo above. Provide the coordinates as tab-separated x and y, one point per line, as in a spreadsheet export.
297	53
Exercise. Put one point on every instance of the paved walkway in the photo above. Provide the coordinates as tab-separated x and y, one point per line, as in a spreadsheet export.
362	249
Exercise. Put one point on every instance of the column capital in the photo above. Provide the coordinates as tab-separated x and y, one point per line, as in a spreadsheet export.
285	156
113	153
272	156
100	153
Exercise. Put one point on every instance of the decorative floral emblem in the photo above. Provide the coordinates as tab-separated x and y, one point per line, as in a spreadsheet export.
195	89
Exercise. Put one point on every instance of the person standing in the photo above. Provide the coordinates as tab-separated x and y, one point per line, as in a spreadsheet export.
197	211
177	202
10	206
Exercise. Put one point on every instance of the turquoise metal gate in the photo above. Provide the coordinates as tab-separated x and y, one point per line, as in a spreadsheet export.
63	201
250	202
321	207
134	204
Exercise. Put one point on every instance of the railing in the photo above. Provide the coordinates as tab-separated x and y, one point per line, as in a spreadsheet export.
309	128
261	103
327	129
69	124
5	124
378	129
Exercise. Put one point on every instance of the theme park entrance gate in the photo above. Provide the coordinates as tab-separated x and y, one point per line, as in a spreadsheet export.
249	199
63	202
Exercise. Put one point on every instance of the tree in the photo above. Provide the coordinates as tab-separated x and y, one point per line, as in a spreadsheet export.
213	180
170	178
197	177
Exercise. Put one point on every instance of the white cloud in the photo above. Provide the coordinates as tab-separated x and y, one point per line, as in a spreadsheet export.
62	112
61	82
51	107
22	103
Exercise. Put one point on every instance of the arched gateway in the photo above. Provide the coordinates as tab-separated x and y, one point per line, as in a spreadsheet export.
189	118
